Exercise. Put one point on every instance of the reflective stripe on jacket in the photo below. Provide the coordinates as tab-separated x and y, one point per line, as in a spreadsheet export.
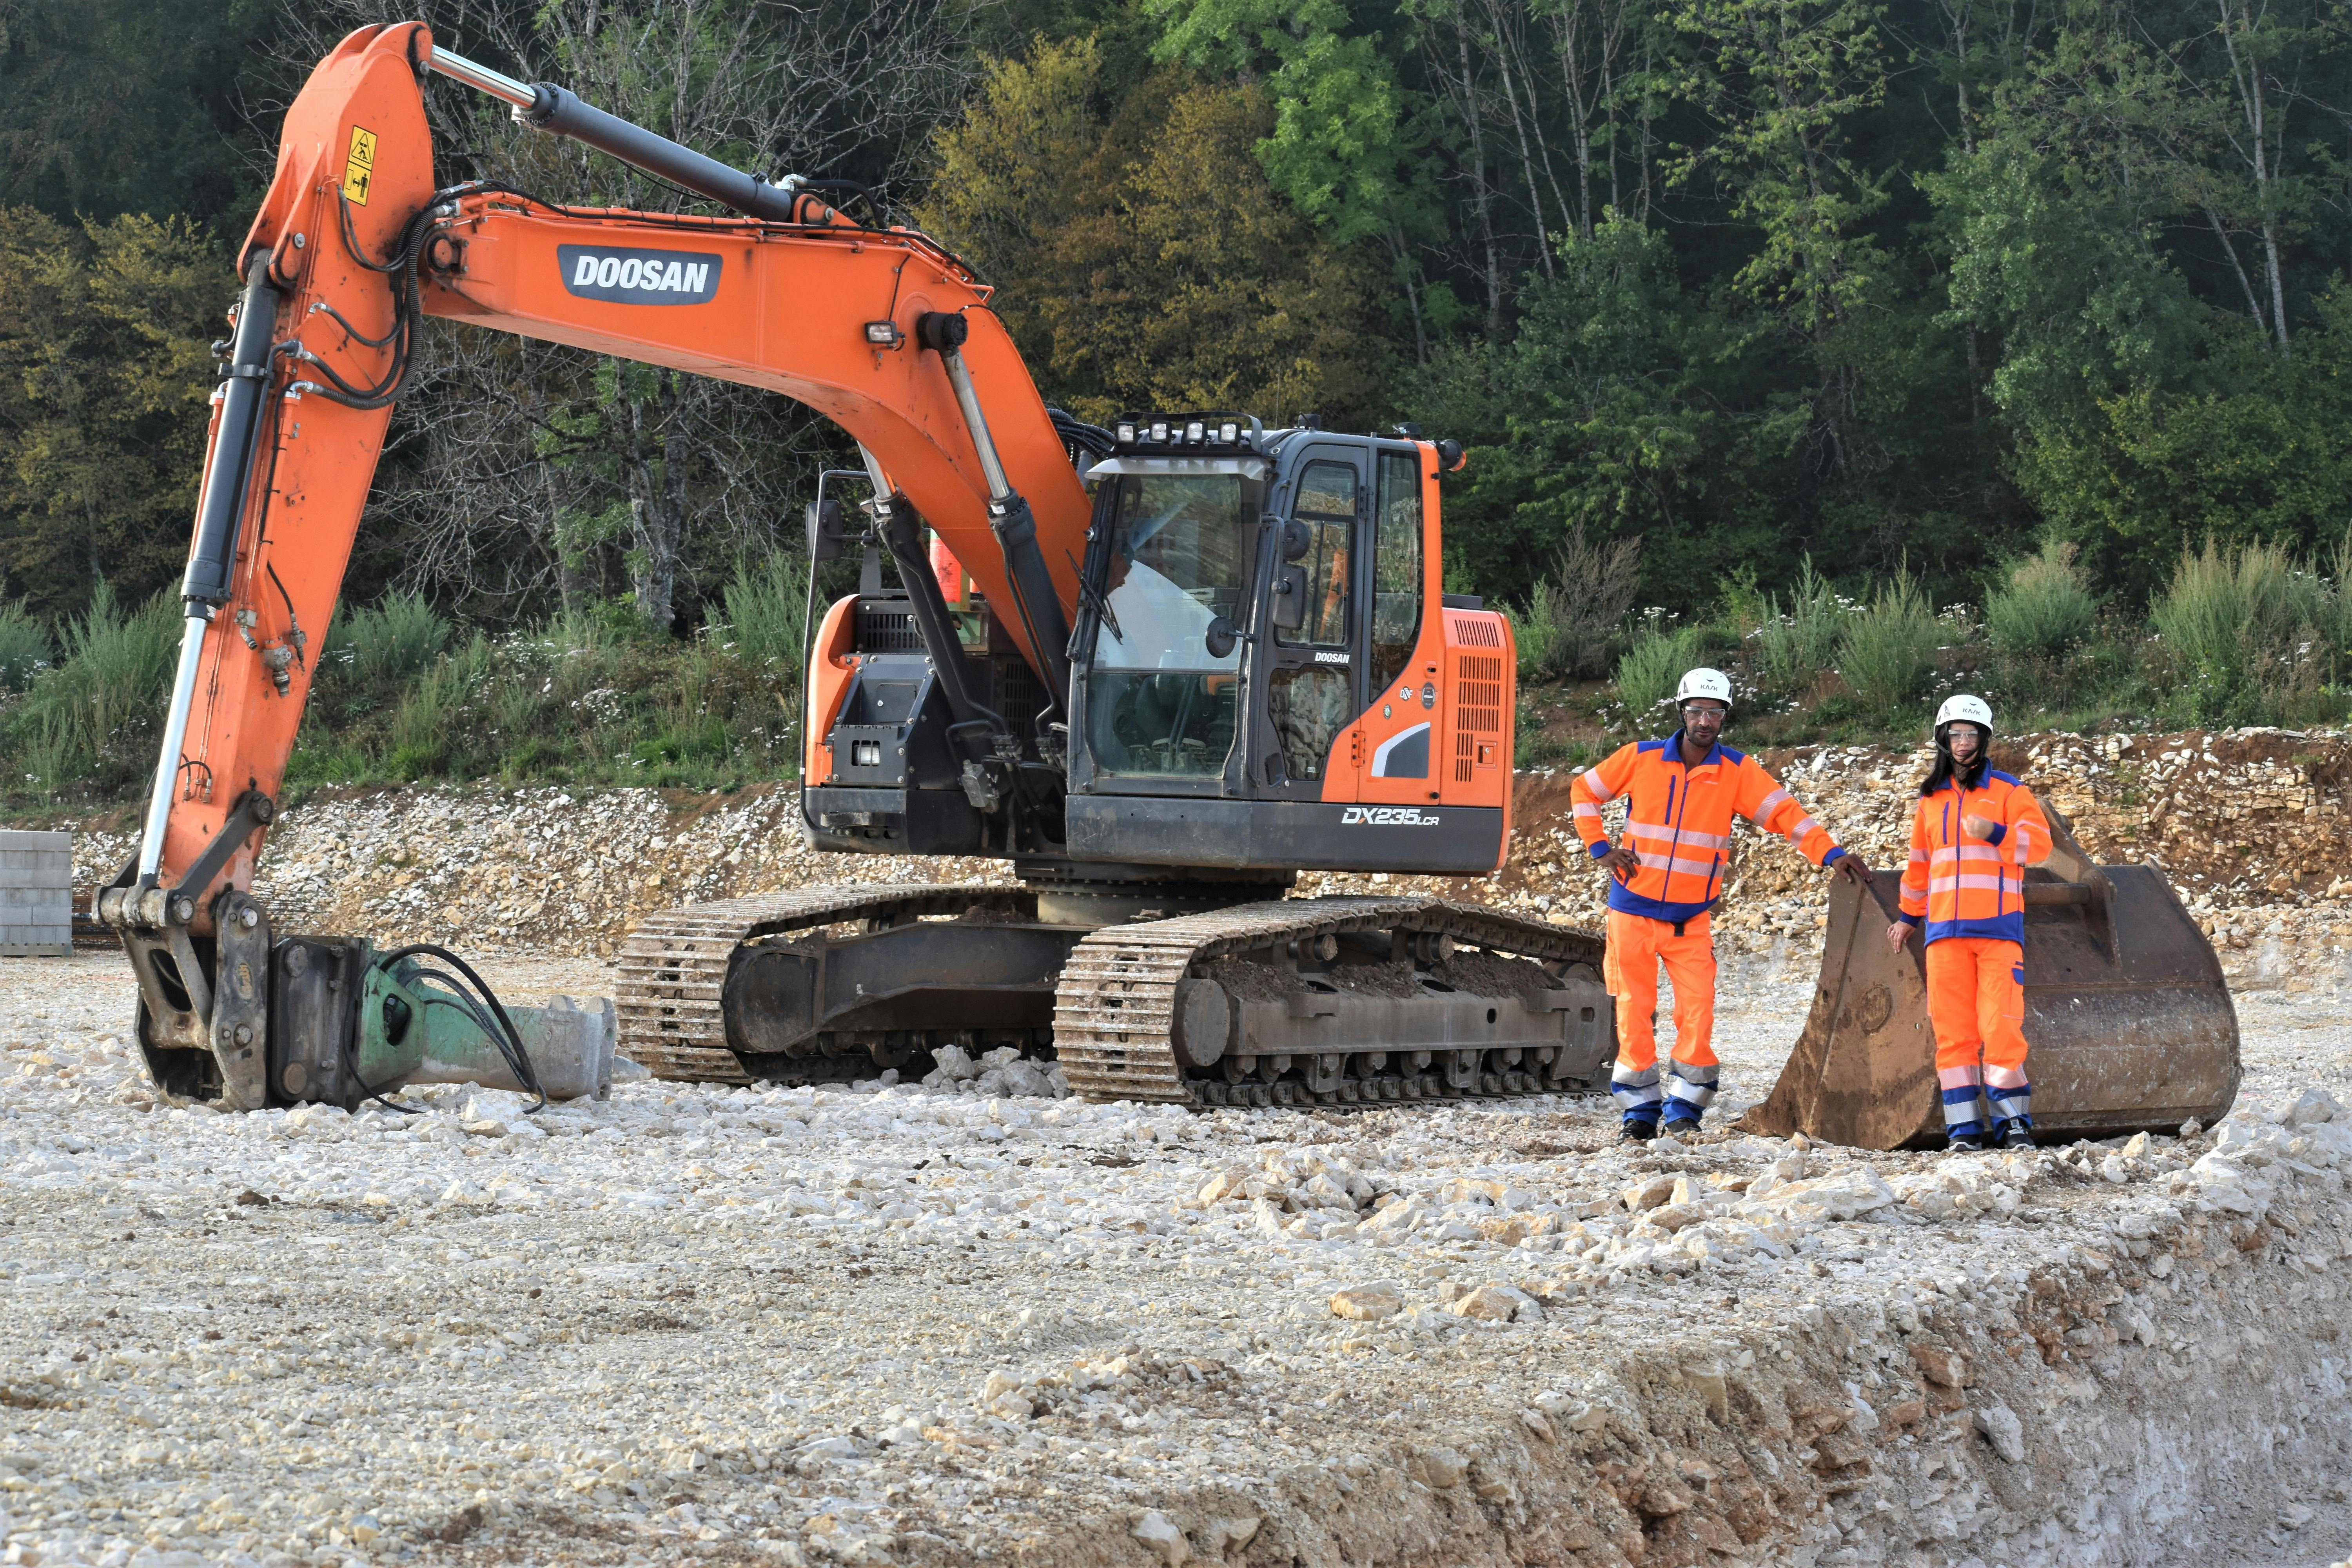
1969	887
1678	822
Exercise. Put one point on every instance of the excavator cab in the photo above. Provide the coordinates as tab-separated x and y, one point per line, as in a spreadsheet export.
1266	675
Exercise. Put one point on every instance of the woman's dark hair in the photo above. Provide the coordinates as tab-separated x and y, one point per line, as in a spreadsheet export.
1941	773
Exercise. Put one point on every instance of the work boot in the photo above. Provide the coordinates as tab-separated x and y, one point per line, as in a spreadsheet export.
2018	1134
1637	1131
1966	1143
1684	1126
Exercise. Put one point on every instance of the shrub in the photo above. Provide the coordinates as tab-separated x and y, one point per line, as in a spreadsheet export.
1535	631
394	640
24	648
1583	607
1652	667
2046	610
1794	649
1889	650
2242	627
91	719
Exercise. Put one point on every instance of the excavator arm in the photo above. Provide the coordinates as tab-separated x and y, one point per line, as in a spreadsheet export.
881	331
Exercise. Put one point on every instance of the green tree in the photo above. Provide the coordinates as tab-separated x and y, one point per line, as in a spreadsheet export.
1142	259
1012	175
134	106
1336	148
2126	217
1627	406
1781	83
104	372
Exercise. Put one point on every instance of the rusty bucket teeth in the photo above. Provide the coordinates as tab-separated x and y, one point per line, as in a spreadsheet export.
2128	1024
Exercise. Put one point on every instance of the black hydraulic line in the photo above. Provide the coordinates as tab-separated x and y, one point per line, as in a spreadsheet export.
1092	439
506	1037
230	472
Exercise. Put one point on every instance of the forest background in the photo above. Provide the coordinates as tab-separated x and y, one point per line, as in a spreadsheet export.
1868	349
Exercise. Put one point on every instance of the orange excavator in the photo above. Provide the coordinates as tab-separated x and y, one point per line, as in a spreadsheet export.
1187	659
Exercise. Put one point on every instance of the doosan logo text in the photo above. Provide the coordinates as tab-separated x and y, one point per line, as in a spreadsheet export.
639	276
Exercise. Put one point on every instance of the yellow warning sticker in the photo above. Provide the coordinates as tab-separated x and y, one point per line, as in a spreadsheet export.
359	169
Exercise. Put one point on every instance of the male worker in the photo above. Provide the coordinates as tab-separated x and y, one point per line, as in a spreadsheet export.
1668	874
1975	831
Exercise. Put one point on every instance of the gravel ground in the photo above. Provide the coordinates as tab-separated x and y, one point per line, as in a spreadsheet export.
900	1325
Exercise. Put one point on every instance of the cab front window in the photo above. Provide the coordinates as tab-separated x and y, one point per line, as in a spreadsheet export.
1159	704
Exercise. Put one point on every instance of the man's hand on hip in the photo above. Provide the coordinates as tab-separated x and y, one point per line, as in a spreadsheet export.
1618	860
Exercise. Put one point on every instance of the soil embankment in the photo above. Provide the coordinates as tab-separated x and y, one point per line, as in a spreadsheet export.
2254	828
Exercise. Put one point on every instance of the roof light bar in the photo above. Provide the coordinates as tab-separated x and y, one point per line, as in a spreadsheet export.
1187	430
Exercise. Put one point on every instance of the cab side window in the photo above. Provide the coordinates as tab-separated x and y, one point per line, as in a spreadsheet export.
1327	505
1396	566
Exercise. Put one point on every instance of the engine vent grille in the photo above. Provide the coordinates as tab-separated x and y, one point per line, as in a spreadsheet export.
1477	709
1474	631
886	625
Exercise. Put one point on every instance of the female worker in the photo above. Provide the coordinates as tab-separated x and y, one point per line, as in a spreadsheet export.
1975	832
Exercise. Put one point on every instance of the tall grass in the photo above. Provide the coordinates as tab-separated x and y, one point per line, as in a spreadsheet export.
1889	649
89	722
1795	647
2335	626
2044	611
24	649
2244	628
1652	667
595	697
1535	632
396	638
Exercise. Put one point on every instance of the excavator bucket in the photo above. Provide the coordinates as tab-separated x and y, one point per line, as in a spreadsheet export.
2128	1024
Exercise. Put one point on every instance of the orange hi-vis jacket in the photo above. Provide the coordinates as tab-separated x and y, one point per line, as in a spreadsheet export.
1679	823
1971	886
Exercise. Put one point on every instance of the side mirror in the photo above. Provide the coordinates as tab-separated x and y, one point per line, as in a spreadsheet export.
824	530
1297	539
1221	639
1290	599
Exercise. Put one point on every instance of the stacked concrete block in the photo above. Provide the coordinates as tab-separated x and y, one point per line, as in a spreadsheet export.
35	893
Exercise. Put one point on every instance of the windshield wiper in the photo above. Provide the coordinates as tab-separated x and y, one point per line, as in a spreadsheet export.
1090	594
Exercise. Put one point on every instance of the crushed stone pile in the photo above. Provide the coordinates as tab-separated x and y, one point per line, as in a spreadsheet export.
2253	826
932	1324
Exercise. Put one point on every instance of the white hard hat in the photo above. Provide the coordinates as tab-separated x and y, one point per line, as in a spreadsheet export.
1704	682
1965	709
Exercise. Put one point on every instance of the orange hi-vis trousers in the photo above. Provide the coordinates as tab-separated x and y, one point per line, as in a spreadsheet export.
1637	945
1976	999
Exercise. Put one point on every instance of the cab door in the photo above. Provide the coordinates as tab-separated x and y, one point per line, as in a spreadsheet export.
1315	647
